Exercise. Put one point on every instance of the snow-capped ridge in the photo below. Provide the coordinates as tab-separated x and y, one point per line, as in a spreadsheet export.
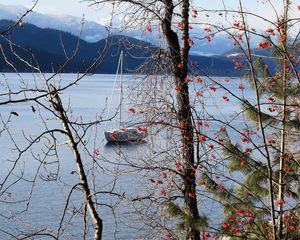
88	30
91	31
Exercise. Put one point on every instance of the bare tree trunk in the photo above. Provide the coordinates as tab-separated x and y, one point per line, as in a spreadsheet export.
263	134
58	107
283	128
281	167
179	58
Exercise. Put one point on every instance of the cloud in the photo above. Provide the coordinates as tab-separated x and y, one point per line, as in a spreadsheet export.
116	22
50	9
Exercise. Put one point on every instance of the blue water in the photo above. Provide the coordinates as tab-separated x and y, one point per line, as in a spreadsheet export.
41	205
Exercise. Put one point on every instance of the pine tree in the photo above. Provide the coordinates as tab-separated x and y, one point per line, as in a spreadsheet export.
266	203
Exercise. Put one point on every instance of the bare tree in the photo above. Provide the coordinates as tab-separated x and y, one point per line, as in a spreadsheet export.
199	146
41	93
165	13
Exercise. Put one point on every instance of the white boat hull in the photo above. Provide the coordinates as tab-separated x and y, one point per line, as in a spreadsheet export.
125	135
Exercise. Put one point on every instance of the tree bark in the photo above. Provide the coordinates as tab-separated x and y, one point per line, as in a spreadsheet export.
58	107
283	128
179	59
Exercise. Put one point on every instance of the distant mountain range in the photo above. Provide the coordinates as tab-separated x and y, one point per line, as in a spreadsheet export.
49	49
47	41
93	32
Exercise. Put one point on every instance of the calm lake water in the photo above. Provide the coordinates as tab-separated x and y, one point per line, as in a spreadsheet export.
87	101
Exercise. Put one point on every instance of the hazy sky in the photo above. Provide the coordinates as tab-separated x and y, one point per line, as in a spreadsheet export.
80	7
69	7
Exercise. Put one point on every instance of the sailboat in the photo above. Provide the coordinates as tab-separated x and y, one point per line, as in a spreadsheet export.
123	134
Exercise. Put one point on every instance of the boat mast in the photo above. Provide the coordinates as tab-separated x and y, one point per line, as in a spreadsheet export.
121	86
119	74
